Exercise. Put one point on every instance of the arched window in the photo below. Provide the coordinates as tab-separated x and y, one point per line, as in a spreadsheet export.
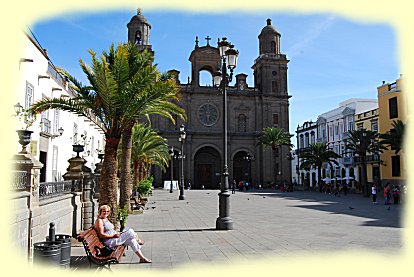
273	47
241	123
138	38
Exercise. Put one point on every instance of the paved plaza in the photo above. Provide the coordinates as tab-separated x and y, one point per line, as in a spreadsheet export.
266	224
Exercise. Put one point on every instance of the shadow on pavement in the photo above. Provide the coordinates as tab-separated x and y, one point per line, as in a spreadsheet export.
378	215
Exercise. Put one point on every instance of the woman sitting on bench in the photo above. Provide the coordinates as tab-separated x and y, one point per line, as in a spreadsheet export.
111	238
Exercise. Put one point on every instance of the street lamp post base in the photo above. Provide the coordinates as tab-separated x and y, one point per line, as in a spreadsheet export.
224	223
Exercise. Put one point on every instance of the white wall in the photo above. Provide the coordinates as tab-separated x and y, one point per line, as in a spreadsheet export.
29	72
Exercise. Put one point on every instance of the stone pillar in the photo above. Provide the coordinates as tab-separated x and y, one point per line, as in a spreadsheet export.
75	173
26	200
88	205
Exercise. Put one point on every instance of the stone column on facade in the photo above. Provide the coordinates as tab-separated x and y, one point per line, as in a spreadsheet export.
88	205
75	174
97	173
28	169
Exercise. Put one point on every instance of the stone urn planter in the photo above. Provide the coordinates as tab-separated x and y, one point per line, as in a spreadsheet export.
78	148
24	139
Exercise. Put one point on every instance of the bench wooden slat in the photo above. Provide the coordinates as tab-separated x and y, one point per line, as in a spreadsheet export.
90	239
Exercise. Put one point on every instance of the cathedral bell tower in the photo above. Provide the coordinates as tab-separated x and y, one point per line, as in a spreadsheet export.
139	31
270	68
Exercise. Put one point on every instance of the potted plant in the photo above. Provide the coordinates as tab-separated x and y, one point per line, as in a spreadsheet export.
79	146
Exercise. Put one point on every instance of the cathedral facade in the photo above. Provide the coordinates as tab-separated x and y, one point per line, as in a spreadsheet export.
250	109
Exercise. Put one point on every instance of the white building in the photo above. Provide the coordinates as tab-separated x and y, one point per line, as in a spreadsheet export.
38	78
332	127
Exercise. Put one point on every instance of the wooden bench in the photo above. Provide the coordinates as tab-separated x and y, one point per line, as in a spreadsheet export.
138	203
92	244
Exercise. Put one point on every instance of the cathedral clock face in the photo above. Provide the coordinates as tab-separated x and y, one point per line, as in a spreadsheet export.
208	114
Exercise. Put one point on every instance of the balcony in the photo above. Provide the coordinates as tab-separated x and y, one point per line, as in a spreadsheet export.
369	159
347	160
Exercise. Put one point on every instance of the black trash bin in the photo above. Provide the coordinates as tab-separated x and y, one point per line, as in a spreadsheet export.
65	240
47	252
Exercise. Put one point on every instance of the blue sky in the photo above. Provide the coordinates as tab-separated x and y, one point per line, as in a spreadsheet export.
331	58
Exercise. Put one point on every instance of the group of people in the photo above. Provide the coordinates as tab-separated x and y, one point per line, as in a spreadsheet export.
389	193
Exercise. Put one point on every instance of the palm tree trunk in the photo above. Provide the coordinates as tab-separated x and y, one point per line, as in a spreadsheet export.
364	181
136	174
125	174
108	180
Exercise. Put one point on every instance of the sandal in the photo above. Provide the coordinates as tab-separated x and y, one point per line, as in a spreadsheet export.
141	242
145	261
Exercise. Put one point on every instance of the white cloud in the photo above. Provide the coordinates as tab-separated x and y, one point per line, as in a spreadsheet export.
310	36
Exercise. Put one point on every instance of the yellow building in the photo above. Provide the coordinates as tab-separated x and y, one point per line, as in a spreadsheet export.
368	120
392	106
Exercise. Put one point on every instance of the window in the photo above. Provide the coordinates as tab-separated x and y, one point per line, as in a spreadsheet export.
92	145
336	130
241	123
275	119
56	121
395	163
54	163
273	47
393	107
312	140
350	126
306	140
45	122
138	39
274	87
374	125
29	95
301	141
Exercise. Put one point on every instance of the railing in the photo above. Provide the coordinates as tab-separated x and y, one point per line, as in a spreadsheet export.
52	189
20	180
369	159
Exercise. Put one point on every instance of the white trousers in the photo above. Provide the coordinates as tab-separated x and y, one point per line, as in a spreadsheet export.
127	237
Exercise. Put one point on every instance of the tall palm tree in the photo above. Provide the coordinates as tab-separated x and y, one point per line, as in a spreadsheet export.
148	148
275	138
394	138
360	143
115	95
315	155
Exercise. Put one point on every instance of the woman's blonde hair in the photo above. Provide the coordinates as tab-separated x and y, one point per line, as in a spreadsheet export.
104	207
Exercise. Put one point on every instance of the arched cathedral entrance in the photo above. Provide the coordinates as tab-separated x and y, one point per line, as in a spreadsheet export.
207	168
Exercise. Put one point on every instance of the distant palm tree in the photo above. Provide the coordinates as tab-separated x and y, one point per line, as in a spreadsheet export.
118	92
274	138
394	138
360	143
148	148
315	155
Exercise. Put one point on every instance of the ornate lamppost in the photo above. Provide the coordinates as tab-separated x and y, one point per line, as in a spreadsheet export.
181	139
172	164
221	79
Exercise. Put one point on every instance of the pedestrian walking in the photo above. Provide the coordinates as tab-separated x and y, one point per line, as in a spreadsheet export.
374	194
345	188
387	194
396	195
233	187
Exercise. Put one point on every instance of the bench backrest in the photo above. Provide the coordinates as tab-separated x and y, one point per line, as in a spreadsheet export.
90	240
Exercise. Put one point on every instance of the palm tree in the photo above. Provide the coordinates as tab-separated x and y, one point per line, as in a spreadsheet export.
148	148
394	138
315	155
115	95
275	138
361	142
166	90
